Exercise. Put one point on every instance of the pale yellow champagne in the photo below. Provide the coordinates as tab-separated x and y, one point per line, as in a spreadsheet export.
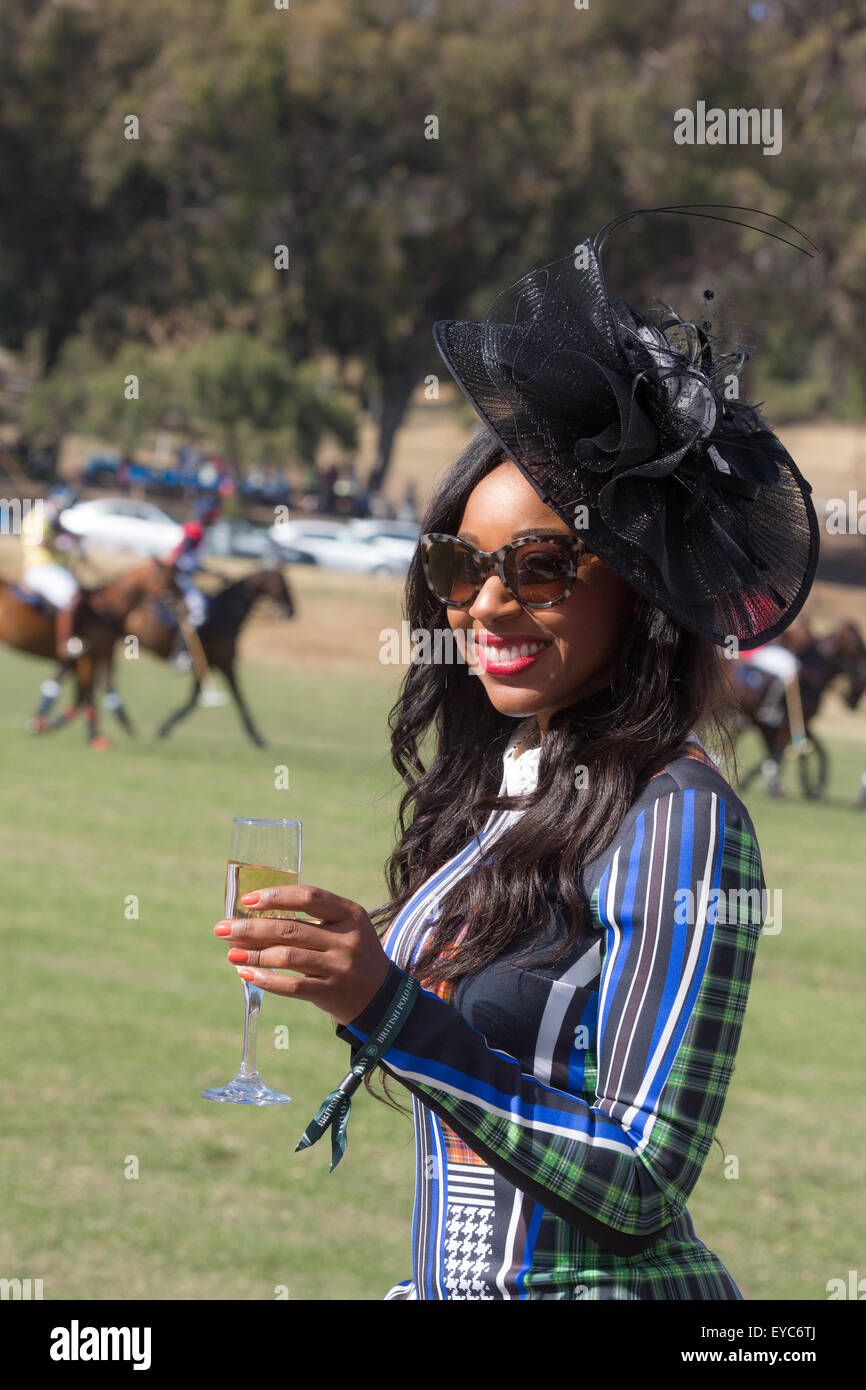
251	878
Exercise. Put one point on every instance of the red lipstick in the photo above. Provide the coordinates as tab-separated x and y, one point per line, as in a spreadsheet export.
515	651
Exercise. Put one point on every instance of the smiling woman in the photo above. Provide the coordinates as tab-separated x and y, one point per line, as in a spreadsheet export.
554	985
566	1064
570	1050
574	638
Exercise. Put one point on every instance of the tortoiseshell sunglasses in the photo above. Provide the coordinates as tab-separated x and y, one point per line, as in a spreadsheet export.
538	571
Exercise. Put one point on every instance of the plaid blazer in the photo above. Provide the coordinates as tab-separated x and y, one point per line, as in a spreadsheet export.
563	1113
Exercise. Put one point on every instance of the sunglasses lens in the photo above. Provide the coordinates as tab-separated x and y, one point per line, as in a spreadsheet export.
451	571
540	571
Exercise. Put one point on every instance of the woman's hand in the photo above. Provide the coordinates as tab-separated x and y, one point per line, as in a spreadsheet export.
339	956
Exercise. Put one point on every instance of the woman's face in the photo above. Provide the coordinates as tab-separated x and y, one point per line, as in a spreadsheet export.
573	646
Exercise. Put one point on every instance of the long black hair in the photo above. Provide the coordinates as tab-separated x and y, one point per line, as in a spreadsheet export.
667	682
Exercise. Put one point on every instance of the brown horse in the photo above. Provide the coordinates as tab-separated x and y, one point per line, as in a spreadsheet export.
154	628
762	705
29	624
228	610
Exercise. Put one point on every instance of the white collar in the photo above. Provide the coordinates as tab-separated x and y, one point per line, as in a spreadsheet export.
520	774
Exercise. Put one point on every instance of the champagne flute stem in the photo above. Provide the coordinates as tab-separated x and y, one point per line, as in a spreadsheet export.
252	1009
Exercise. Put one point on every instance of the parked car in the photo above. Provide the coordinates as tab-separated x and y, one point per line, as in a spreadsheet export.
101	470
123	523
383	527
234	536
396	538
140	474
269	491
203	475
334	547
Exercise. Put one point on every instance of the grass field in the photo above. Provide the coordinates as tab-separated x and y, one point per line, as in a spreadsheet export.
112	1027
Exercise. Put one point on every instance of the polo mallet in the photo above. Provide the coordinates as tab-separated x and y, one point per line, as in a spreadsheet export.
800	742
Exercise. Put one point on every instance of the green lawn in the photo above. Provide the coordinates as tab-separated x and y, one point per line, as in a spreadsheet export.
113	1027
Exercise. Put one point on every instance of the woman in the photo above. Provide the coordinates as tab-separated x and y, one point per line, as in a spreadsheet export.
563	888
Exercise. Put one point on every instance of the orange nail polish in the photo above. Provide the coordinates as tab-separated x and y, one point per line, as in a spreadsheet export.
237	955
222	929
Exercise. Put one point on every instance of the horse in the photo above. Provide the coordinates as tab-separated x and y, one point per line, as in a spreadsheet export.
28	623
822	659
228	609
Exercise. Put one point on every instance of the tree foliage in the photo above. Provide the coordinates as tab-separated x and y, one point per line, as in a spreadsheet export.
310	128
232	389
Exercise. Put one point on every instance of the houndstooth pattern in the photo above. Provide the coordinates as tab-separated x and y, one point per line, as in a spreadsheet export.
468	1247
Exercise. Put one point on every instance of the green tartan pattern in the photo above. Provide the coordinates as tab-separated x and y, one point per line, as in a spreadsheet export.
594	1159
631	1199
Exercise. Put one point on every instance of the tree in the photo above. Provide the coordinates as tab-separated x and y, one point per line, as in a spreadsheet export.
245	392
415	158
232	388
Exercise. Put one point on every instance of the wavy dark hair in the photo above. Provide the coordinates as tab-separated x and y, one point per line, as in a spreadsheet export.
667	682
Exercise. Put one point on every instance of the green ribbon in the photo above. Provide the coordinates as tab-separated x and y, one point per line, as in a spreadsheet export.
335	1109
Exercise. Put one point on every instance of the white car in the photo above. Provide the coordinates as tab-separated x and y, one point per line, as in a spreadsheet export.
396	538
333	546
234	536
122	523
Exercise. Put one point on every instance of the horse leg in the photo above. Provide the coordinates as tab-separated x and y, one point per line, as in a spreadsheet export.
85	676
229	673
181	713
68	714
813	767
49	691
768	766
113	700
776	738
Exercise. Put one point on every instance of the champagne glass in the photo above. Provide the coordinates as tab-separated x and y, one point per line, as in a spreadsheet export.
264	854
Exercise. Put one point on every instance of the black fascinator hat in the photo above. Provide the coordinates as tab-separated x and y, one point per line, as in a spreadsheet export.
629	427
